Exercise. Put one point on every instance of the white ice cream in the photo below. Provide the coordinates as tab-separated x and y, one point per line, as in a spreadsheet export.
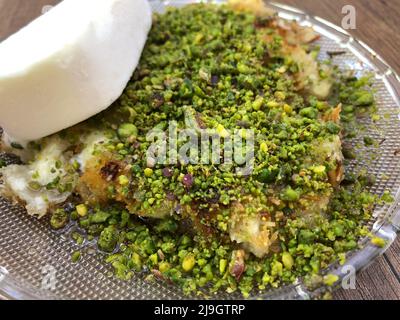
69	64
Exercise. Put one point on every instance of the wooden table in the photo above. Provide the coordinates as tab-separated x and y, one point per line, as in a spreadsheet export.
377	25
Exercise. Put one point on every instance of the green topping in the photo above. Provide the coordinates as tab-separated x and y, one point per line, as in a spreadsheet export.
379	242
349	153
123	180
222	266
309	113
34	185
267	175
306	236
290	195
363	98
127	130
368	141
59	219
99	217
82	210
188	263
330	279
78	238
148	172
333	127
17	146
76	256
287	260
201	225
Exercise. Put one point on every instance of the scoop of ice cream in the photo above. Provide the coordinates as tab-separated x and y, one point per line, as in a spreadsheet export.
69	64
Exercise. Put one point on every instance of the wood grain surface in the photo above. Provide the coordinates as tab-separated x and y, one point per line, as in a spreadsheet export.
378	25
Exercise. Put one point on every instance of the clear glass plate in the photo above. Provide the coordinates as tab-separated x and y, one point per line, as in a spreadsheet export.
31	254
